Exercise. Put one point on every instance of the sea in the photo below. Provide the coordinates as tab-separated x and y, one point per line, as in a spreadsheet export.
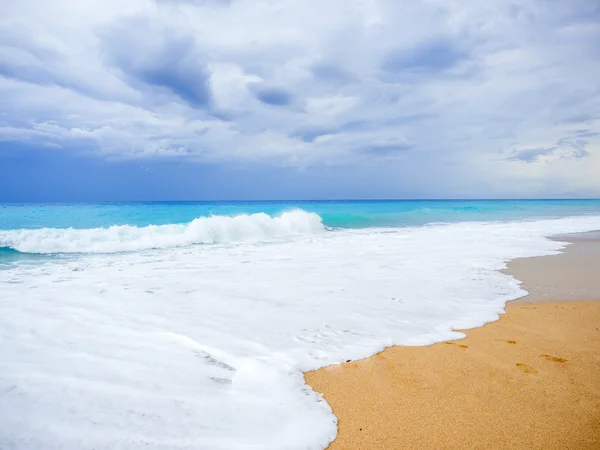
188	325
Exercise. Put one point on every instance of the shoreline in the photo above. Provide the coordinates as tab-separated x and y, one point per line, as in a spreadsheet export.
529	380
570	275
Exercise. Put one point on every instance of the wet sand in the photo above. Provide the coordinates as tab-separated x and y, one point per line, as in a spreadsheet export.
529	380
572	275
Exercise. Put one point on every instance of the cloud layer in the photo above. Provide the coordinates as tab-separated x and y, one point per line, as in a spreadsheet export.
494	91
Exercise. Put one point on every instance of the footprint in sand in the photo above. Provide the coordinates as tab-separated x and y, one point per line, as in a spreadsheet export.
553	358
527	368
460	345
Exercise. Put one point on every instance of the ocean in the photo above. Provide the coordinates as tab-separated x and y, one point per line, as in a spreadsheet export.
187	325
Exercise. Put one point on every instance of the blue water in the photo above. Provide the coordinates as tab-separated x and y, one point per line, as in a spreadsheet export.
36	232
187	325
342	214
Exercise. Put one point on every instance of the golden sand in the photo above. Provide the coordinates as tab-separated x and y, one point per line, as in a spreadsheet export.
528	381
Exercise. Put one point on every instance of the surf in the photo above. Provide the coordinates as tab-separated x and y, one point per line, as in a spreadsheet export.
127	238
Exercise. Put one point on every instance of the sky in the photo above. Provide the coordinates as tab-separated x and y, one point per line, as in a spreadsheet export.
298	99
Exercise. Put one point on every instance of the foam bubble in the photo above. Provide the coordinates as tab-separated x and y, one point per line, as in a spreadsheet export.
124	238
203	347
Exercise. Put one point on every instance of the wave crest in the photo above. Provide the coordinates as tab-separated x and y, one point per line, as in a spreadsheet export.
125	238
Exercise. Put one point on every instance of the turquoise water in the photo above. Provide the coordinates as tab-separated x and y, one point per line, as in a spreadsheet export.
36	232
188	325
342	214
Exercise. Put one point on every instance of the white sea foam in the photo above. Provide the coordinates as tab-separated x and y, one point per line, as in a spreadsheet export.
202	347
124	238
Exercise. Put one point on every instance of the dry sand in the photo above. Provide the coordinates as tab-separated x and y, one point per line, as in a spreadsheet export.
530	380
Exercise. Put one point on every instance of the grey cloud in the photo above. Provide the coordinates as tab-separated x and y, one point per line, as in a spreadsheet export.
311	134
142	81
576	145
432	56
273	96
582	12
579	118
163	59
411	118
586	133
331	73
29	60
21	39
386	149
355	125
530	155
566	148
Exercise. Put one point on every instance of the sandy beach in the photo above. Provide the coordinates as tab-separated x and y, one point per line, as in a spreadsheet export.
529	380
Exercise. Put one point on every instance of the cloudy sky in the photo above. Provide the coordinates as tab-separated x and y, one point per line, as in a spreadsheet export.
239	99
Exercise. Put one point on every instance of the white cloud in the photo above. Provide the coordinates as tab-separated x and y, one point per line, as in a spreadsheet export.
451	89
329	106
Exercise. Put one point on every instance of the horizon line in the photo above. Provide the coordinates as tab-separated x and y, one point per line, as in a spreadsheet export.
307	200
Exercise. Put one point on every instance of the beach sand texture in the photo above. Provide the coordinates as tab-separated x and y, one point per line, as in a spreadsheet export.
572	275
529	380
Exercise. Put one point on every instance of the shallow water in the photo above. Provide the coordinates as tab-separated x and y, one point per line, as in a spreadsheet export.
186	330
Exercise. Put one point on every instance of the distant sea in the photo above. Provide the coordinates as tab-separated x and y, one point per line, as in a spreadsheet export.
184	325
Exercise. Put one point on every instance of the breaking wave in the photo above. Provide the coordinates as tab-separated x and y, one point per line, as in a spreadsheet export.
126	238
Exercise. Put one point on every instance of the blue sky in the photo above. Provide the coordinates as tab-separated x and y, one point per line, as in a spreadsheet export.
230	99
